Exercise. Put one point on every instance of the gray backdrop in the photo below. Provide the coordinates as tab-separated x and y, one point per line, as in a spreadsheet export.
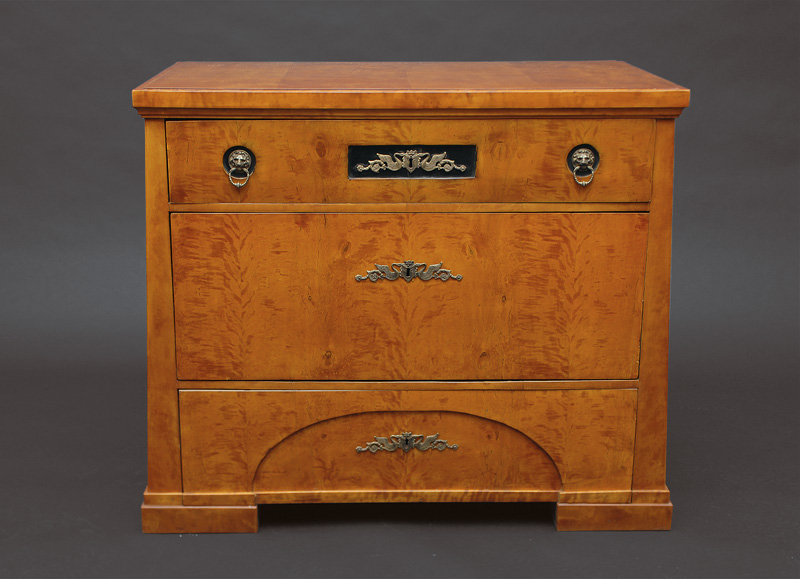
72	296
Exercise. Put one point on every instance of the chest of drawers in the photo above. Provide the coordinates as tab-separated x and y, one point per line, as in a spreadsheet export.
374	282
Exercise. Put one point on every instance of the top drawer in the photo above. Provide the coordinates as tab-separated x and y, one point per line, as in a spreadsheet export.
306	161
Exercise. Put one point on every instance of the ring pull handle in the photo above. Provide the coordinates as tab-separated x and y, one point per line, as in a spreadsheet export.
583	161
578	181
239	163
239	184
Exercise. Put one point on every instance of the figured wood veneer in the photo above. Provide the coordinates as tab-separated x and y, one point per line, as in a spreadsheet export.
539	441
309	460
543	296
305	161
241	86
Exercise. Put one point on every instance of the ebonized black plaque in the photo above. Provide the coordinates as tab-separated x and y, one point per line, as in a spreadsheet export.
412	161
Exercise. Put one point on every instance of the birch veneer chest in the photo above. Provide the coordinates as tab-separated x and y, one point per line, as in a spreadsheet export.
407	282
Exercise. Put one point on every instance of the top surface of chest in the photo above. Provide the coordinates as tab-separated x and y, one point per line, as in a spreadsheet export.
232	87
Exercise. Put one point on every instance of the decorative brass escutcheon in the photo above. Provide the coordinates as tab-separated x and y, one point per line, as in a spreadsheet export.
406	442
408	270
411	160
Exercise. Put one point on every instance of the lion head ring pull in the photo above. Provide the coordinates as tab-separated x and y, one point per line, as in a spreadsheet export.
583	161
239	163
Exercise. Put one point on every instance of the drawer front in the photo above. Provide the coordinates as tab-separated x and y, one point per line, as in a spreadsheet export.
275	296
518	160
309	446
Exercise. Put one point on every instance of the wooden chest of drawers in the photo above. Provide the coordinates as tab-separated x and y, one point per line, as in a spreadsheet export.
407	282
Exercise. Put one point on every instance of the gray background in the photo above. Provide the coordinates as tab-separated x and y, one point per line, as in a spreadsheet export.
72	296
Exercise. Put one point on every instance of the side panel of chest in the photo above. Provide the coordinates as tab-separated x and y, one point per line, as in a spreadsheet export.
276	296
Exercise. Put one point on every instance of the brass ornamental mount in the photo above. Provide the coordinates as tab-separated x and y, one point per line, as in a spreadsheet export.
583	159
408	270
411	160
240	164
406	442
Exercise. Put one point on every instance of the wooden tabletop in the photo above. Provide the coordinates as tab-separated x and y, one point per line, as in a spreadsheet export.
407	85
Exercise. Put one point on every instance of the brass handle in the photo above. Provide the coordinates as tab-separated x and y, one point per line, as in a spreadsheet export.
406	442
408	270
581	159
239	163
578	181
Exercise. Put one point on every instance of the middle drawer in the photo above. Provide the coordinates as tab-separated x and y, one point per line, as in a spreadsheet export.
542	296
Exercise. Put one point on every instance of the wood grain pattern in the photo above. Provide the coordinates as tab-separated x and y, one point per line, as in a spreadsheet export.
175	519
163	450
219	499
409	207
321	457
604	517
639	496
226	435
544	296
360	114
651	443
450	385
386	496
306	160
595	497
399	85
173	498
435	496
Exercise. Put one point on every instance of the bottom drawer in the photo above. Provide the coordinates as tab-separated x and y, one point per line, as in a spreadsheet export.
336	446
